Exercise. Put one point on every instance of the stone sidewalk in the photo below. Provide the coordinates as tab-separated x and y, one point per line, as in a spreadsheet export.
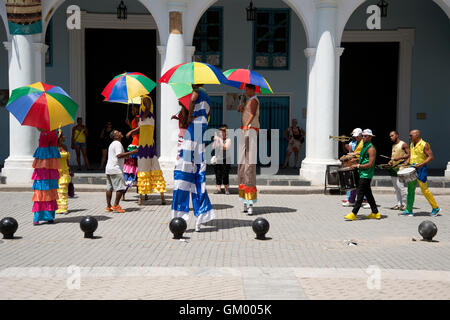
306	256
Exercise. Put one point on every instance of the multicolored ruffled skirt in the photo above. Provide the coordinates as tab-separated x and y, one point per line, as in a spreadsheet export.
130	168
45	186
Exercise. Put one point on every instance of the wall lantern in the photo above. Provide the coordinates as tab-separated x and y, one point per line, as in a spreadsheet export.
383	6
251	12
122	11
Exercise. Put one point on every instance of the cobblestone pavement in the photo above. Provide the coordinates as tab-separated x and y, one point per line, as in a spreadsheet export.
305	257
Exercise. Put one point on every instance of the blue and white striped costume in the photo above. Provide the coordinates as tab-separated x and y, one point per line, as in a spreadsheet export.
190	167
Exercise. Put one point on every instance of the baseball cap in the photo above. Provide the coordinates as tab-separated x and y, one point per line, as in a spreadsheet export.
368	132
356	132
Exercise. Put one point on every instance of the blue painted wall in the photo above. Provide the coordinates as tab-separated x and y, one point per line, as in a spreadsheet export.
430	91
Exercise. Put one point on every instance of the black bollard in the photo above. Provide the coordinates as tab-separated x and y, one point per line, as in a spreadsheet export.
260	226
88	225
427	230
8	226
177	226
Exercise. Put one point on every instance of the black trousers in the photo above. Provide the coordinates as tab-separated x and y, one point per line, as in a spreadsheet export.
222	172
364	189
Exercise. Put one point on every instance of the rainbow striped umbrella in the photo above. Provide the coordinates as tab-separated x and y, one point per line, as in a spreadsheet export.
127	86
42	106
183	92
194	73
240	77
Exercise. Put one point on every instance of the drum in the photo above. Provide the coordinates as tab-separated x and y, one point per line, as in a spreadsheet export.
348	178
347	160
390	170
407	175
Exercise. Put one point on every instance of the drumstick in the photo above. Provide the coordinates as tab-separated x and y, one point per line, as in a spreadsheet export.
385	157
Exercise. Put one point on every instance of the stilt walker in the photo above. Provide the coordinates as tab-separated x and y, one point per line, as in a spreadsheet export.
190	168
45	176
248	144
150	177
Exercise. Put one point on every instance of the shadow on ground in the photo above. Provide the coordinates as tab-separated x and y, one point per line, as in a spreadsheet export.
423	214
223	224
78	219
268	209
76	210
221	206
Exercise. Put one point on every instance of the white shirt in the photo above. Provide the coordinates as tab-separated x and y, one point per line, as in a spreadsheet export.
114	164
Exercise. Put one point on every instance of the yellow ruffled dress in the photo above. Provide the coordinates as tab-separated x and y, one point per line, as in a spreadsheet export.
150	177
64	180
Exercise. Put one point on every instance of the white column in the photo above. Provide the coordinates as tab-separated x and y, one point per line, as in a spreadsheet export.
172	54
323	109
447	172
26	66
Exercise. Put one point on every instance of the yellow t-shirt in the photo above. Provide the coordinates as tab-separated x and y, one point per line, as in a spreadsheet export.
359	148
79	136
63	160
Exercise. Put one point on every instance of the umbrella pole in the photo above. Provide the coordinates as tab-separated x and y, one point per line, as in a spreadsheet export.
241	100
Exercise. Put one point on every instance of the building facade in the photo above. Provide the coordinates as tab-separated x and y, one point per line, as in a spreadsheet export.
326	67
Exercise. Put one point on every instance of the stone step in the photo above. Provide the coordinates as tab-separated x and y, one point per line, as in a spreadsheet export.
261	180
210	180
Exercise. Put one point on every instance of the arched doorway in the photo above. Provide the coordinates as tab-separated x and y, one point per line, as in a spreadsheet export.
393	78
89	58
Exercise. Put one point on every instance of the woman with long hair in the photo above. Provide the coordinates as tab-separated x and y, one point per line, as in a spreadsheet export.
150	177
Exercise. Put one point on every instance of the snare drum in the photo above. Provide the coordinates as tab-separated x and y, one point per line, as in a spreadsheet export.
348	178
407	175
390	170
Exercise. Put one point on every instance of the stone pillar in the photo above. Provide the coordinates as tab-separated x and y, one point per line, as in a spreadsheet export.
323	104
447	172
172	54
26	66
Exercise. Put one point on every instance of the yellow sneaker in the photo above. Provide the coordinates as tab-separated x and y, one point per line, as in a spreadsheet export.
351	216
374	216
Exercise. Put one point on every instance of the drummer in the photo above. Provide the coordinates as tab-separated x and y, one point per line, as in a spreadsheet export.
366	168
400	154
421	155
355	146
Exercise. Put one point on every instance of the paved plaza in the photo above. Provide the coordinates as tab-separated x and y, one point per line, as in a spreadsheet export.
306	256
